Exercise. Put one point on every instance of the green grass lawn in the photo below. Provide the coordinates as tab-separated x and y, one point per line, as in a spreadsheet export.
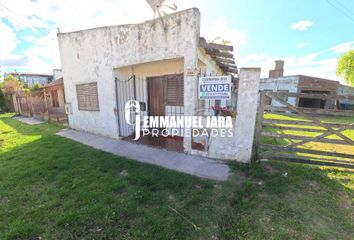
328	147
55	188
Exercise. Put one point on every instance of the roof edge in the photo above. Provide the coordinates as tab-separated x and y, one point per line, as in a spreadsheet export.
131	24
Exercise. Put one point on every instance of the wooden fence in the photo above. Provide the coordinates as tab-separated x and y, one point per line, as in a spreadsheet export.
312	128
37	105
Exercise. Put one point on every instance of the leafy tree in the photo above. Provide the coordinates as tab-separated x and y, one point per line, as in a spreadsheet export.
11	84
36	87
10	78
345	67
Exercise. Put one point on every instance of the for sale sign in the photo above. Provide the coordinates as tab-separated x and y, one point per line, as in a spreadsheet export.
214	88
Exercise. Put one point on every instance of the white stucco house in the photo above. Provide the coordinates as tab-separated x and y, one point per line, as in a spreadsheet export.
158	66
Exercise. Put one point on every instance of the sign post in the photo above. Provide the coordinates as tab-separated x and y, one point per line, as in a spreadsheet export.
214	88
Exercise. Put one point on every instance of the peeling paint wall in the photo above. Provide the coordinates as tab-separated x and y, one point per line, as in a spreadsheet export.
92	55
239	147
147	49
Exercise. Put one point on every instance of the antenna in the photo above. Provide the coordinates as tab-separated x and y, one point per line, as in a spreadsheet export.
157	5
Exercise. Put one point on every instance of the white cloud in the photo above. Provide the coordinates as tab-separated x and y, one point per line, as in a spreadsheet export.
302	25
313	64
343	47
220	29
302	44
42	16
28	38
8	40
38	55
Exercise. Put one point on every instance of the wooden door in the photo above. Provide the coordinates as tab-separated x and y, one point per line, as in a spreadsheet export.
165	91
156	90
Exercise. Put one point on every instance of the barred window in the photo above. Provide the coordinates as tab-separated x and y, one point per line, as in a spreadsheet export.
87	97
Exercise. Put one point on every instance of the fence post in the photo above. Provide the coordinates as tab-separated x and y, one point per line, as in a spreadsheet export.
46	104
29	108
259	125
18	101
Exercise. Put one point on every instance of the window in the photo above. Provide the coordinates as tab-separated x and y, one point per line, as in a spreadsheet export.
55	99
174	90
87	97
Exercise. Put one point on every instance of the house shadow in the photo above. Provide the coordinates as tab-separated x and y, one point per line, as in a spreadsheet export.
29	130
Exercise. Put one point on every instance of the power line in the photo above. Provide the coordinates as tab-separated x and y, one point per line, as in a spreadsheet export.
72	6
340	10
344	7
7	11
19	19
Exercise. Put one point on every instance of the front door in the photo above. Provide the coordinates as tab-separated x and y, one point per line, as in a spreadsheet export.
165	91
156	90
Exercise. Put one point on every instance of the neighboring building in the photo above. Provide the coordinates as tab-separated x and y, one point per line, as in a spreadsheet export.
305	84
347	91
30	79
55	98
158	66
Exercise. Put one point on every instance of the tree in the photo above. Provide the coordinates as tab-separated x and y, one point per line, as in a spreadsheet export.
36	87
345	67
11	84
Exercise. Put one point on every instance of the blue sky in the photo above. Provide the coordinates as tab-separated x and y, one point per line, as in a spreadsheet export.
308	35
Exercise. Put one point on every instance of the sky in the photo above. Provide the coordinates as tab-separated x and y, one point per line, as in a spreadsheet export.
309	35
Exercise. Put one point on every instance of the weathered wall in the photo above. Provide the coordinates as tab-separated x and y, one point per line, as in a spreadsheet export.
239	147
92	55
142	72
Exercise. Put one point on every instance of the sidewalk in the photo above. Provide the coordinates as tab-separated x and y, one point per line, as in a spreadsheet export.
194	165
28	120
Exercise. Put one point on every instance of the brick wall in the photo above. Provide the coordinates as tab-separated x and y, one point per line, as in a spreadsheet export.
317	84
307	83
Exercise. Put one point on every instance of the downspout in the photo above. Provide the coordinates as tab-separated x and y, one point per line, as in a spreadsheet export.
117	106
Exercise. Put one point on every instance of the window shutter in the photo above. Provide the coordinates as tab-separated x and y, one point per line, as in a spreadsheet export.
174	91
87	97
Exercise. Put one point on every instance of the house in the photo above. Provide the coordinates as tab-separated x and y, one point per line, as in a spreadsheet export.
305	84
30	79
55	100
157	65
